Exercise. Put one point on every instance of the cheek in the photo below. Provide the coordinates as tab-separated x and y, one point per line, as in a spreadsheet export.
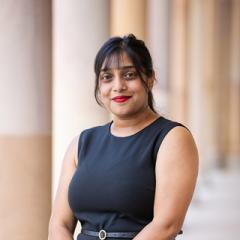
104	90
138	88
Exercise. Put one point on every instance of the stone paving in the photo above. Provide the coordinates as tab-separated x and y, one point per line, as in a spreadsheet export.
215	211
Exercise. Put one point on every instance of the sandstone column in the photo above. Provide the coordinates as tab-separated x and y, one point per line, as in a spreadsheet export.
234	111
79	29
158	42
178	59
25	119
128	17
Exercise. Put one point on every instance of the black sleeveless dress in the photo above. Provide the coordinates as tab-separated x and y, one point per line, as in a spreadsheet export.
114	184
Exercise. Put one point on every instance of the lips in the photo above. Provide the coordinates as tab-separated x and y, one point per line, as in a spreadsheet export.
121	99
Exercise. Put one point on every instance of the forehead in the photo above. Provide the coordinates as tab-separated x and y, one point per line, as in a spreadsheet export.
117	61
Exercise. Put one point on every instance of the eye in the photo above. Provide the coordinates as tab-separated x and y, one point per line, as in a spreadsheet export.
106	77
130	75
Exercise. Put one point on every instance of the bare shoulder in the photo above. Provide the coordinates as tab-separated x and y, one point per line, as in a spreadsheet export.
178	142
71	151
177	157
176	175
74	148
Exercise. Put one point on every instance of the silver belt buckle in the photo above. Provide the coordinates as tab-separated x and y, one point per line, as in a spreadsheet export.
102	234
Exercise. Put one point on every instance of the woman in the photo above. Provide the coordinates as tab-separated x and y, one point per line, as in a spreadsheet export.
134	177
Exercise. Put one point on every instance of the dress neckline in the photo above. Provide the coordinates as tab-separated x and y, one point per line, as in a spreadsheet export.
134	134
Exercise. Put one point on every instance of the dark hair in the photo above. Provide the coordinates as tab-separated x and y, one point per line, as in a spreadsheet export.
135	50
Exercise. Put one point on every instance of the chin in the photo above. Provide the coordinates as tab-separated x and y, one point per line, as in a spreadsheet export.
119	113
123	114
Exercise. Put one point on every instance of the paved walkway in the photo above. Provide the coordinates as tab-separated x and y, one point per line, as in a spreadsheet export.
215	211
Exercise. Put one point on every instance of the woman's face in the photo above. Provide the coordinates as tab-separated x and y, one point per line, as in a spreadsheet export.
121	90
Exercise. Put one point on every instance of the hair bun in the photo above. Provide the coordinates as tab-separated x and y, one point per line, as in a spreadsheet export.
130	36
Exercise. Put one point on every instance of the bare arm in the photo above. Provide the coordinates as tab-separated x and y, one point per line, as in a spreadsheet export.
176	174
62	221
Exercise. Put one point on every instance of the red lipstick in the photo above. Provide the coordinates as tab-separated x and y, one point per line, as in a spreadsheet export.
121	99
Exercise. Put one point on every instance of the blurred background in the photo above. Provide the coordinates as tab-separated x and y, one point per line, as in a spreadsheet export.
47	97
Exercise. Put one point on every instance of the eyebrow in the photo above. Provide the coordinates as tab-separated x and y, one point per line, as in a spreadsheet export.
120	68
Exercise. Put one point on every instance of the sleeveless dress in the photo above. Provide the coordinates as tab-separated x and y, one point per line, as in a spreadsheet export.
114	184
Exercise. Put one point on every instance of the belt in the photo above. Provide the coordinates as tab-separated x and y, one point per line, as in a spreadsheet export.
102	234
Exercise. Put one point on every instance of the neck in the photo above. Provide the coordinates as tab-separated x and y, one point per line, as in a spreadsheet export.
134	121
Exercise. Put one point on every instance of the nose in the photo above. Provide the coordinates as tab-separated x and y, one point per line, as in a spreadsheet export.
119	84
